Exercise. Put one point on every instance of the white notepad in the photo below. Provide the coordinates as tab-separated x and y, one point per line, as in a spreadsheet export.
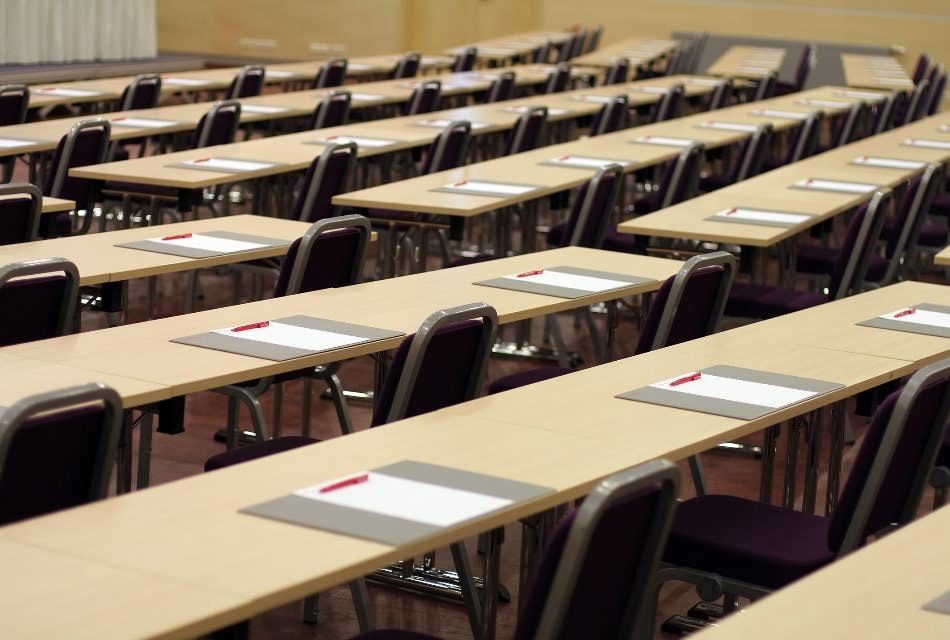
655	90
289	335
570	281
894	81
832	104
358	66
143	123
593	98
727	126
866	95
416	85
835	185
585	161
706	82
67	93
777	113
366	97
407	499
758	215
944	128
441	123
888	163
211	243
927	144
489	187
9	143
920	316
276	73
756	70
185	82
666	141
228	164
722	388
551	111
358	141
261	108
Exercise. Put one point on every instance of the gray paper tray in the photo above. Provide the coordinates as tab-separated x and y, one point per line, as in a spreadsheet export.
188	252
923	329
561	292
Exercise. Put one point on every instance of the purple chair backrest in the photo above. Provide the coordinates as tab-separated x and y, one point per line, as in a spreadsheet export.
885	109
20	212
805	138
590	212
57	449
502	88
594	577
911	213
921	68
142	93
566	51
593	40
722	95
754	153
542	55
465	61
690	304
329	255
766	87
613	116
329	174
332	111
408	66
805	64
529	131
577	45
851	263
14	103
218	125
894	461
855	124
37	300
681	179
670	104
441	365
673	62
449	149
85	144
248	82
558	79
331	74
917	105
618	72
424	98
936	94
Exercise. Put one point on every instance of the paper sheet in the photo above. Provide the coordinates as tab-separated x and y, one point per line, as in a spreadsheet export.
571	281
366	97
229	165
758	215
551	111
289	335
211	243
778	113
143	123
358	66
585	161
927	144
666	141
407	499
920	316
888	163
866	95
276	73
705	82
8	143
835	185
831	104
360	142
261	108
185	82
441	123
901	82
490	187
756	70
67	93
757	393
728	126
656	90
593	98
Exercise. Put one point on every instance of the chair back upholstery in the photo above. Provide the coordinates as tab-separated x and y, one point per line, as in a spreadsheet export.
851	263
766	87
542	55
895	459
670	104
38	307
577	44
590	212
14	103
408	66
921	68
755	151
502	88
85	144
805	64
721	95
442	364
855	124
681	182
593	39
594	578
248	82
885	110
20	214
917	105
143	92
676	58
57	450
690	304
424	98
329	174
218	125
329	255
331	74
449	148
332	111
613	116
618	72
465	60
936	93
529	132
911	213
559	79
806	140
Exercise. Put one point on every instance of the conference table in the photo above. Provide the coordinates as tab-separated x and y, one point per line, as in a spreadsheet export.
639	51
506	49
875	72
943	257
747	62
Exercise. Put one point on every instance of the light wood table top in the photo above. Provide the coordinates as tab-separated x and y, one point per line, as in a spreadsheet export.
773	190
357	67
99	260
417	194
512	46
747	62
875	593
875	72
143	350
639	51
50	205
943	257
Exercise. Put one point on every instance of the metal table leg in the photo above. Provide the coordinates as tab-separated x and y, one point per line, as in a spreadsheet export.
838	419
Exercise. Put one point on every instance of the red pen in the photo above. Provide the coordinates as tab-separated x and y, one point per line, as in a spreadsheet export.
732	211
349	482
460	183
563	158
690	378
179	236
905	312
809	181
535	272
118	119
253	325
201	160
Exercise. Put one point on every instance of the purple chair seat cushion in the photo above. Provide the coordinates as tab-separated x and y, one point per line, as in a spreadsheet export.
941	204
555	237
257	450
817	259
524	378
745	540
624	242
932	235
943	454
461	262
748	300
714	182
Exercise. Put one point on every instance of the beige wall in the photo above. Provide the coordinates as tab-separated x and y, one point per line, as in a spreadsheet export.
434	25
918	25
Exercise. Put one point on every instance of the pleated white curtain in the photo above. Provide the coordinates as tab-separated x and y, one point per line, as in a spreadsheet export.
38	31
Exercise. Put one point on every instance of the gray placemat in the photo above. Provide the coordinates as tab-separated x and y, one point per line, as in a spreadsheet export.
279	353
940	604
911	327
561	292
198	167
552	163
190	252
728	408
762	223
388	529
490	194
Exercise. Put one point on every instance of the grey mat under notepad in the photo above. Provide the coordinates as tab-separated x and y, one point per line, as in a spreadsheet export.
561	292
911	327
190	252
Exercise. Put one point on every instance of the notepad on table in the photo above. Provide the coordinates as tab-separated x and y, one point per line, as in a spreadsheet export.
10	143
593	98
665	141
203	245
583	162
564	281
360	141
727	126
839	186
441	123
366	97
143	123
654	90
552	111
185	82
778	113
831	104
887	163
487	188
923	318
864	95
926	144
760	216
261	108
67	93
276	73
225	165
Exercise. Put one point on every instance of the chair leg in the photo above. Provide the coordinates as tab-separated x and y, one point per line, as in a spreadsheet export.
340	404
253	404
696	471
278	406
311	608
306	408
364	610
